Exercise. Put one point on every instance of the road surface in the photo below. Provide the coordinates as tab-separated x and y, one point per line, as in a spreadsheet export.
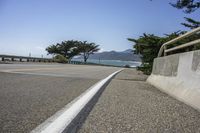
31	93
131	105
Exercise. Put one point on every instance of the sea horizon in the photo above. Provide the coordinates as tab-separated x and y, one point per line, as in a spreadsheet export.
118	63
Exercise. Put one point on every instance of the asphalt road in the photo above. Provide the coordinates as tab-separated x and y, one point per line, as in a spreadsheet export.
57	70
131	105
31	93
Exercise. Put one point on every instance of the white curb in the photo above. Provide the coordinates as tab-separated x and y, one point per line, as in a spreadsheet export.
59	121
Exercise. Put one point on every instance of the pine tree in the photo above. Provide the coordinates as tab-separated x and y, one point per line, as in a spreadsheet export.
148	46
191	23
188	6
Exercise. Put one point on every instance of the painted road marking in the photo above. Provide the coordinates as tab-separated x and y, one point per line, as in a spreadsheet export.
59	121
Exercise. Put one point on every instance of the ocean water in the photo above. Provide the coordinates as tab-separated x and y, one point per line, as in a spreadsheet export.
112	62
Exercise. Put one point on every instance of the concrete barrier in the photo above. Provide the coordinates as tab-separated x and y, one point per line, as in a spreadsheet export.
179	76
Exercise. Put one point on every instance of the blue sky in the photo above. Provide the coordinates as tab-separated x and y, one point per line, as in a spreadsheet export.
29	26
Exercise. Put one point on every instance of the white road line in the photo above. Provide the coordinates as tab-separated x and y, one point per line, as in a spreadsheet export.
59	121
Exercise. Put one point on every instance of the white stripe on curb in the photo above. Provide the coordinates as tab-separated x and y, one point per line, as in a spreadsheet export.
59	121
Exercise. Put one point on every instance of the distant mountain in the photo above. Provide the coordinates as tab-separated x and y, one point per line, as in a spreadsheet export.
126	55
127	51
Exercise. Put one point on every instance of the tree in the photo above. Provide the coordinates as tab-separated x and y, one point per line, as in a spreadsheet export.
148	47
191	23
86	49
53	49
71	48
68	49
188	6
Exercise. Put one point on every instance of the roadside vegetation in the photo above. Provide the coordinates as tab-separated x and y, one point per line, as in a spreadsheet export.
66	50
148	45
60	59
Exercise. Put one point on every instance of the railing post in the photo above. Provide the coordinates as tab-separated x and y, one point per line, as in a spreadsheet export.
165	47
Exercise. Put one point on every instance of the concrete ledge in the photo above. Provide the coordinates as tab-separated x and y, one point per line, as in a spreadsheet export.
181	79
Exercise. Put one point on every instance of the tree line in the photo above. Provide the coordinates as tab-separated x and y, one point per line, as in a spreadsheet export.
148	45
66	50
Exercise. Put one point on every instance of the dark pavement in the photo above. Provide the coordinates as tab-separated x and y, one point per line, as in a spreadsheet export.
36	92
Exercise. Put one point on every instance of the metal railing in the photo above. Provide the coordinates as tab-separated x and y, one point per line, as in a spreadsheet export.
21	58
164	46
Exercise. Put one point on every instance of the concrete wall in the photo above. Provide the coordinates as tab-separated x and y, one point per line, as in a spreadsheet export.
179	76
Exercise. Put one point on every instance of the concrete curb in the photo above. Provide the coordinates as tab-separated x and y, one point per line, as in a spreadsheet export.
178	75
63	118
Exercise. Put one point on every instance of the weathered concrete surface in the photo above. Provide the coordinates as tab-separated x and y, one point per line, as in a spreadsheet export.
131	105
196	62
181	78
167	66
26	100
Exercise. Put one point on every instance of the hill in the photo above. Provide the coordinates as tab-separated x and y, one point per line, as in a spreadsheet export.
126	55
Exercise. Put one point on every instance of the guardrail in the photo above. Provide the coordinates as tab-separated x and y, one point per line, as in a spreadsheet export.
164	46
35	59
24	58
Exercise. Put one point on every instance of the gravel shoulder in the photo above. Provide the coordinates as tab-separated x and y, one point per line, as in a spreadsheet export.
129	104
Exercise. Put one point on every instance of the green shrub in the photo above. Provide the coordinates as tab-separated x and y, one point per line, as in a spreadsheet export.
145	68
60	59
148	47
